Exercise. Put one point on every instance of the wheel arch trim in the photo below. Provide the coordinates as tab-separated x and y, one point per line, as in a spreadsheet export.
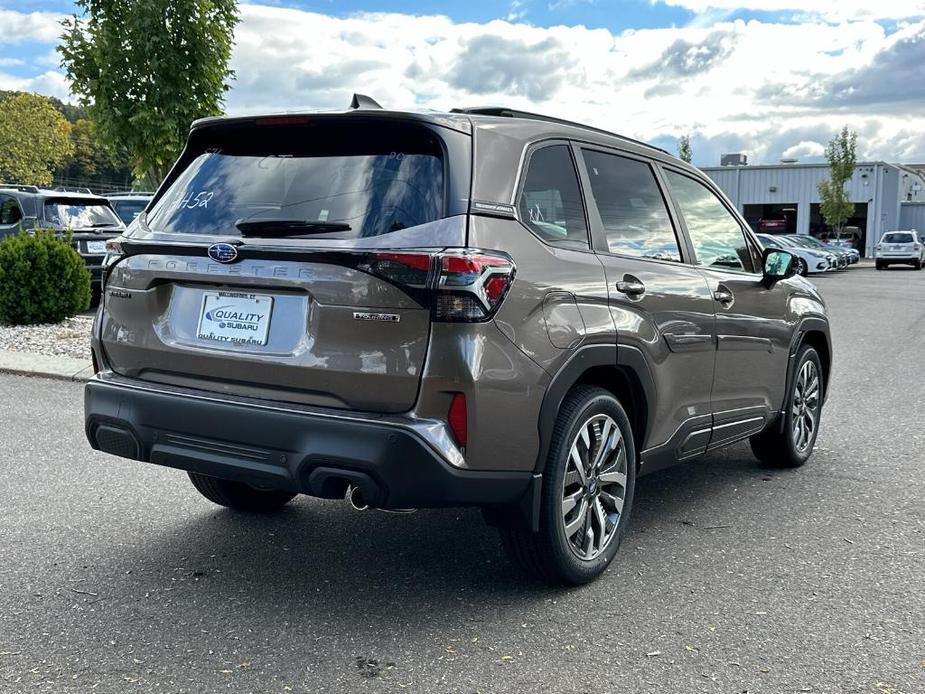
622	359
806	326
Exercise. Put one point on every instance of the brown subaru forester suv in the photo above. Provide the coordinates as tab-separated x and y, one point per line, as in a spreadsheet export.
477	308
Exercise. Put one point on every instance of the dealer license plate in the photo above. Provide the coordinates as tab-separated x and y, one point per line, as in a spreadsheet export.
96	247
238	318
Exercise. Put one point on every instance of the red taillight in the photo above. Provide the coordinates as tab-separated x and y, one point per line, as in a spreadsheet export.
458	419
471	285
462	286
408	269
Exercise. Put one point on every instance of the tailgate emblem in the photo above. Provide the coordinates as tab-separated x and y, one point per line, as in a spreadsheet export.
223	252
385	317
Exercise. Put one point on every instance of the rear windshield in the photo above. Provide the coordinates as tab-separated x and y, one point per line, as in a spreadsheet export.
76	214
128	209
376	178
898	238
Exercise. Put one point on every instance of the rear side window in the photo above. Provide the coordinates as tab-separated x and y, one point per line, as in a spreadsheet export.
631	206
550	202
374	179
9	210
128	209
898	238
716	235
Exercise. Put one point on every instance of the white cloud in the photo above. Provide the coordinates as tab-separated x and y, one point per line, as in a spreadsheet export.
805	149
758	87
731	84
17	27
833	10
49	83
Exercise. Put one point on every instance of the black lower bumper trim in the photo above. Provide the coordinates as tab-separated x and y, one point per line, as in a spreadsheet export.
285	449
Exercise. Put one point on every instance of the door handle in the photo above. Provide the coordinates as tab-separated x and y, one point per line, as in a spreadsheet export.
631	287
724	296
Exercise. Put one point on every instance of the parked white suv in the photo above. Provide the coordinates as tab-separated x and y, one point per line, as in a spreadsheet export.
900	247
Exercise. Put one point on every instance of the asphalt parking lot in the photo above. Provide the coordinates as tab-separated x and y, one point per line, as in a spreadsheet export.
118	577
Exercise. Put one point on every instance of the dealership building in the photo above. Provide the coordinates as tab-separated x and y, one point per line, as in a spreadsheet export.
886	196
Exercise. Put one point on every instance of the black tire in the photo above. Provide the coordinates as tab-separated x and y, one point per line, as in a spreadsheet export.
779	448
878	265
918	265
802	268
549	554
238	495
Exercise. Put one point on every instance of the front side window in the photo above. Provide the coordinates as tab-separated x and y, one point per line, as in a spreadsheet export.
80	214
716	235
9	210
550	203
631	206
340	180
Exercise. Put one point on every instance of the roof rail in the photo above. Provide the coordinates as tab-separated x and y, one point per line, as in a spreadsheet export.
514	113
72	189
20	187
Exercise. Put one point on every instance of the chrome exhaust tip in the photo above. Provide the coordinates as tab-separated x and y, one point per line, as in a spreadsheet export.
356	498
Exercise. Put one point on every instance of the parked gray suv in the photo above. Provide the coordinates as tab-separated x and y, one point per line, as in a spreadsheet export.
477	308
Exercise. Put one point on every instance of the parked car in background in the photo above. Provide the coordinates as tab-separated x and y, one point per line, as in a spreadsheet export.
809	261
842	255
899	248
129	205
777	225
470	325
848	237
89	217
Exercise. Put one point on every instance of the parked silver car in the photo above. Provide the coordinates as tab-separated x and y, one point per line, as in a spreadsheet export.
900	248
843	256
809	261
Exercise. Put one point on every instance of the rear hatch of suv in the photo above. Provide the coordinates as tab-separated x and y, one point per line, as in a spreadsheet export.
288	258
90	220
899	244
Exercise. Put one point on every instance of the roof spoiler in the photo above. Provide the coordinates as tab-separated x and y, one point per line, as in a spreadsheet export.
362	101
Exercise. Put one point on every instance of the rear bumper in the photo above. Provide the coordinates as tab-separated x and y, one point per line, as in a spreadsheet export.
299	450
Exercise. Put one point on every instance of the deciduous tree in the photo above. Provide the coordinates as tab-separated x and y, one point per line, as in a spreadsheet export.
685	153
35	139
146	69
841	154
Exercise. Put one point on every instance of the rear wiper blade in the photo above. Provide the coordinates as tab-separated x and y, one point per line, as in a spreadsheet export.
268	228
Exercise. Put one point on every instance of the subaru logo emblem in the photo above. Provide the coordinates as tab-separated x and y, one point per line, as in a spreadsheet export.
223	252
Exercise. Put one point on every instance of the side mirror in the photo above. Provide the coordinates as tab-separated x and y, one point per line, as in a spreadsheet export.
778	264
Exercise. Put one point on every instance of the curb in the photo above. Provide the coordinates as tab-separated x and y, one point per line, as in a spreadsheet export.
44	366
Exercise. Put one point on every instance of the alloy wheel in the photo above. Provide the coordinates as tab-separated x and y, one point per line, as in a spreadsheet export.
805	406
594	487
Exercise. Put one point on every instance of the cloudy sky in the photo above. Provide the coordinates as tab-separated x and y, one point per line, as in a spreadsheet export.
771	78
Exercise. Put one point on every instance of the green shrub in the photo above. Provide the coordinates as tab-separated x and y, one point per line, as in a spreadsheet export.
42	279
